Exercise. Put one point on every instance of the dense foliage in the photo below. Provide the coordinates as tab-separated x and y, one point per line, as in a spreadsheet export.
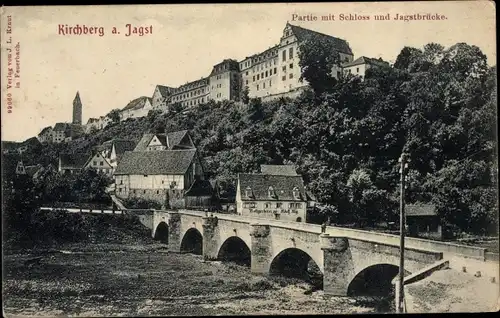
438	105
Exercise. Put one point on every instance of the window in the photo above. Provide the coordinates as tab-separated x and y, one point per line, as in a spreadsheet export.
95	163
254	78
247	82
246	73
146	175
275	70
270	83
267	205
284	68
262	75
357	69
291	65
266	73
258	76
283	77
290	53
157	191
338	74
263	85
144	191
257	86
284	55
270	191
121	181
291	75
101	163
279	205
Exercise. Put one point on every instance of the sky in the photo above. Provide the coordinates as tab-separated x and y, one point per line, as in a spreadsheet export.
186	41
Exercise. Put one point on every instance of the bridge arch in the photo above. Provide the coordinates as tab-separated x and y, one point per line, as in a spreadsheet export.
161	232
374	280
235	249
192	242
294	262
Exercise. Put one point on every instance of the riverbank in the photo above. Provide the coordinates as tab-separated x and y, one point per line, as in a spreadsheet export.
107	279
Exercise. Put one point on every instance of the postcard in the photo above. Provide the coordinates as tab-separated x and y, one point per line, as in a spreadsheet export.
243	159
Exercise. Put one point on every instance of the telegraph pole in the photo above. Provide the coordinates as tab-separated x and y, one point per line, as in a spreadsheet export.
402	225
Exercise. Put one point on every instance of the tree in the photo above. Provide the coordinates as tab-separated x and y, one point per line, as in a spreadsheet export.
114	115
317	59
244	95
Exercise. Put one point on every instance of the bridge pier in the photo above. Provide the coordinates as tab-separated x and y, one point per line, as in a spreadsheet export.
338	265
174	232
261	256
210	238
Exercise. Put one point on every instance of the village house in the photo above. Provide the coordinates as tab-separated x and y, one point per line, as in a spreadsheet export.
139	107
161	96
64	132
277	192
161	175
45	135
99	163
113	150
70	163
422	221
103	122
360	65
165	141
91	125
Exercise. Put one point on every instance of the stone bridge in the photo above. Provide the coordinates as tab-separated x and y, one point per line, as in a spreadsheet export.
350	263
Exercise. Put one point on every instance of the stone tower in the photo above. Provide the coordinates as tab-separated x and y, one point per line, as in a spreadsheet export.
77	109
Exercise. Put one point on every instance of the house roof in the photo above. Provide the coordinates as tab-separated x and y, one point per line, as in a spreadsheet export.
365	60
31	170
92	120
420	210
122	145
33	141
137	103
161	162
45	130
73	160
282	186
200	188
164	90
61	127
280	170
174	138
306	34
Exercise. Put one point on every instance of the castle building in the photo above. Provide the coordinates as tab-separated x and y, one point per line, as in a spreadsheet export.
272	73
77	110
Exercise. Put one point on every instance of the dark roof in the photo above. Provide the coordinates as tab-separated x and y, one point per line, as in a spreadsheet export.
225	66
420	210
31	170
305	34
174	138
61	126
164	90
33	141
45	130
137	103
200	188
92	120
73	160
165	162
123	145
282	186
365	60
280	170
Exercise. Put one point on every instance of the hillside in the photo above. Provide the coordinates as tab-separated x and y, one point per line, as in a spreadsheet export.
438	105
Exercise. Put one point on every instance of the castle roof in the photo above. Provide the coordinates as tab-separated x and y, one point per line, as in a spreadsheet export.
137	103
164	162
164	90
420	210
282	186
366	60
303	34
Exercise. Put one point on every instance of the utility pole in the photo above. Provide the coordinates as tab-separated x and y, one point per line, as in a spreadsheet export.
402	225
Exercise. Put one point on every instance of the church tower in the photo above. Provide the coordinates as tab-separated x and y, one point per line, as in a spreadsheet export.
77	109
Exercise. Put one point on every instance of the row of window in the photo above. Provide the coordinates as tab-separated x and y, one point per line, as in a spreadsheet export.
100	163
264	85
283	78
264	74
270	205
193	93
194	102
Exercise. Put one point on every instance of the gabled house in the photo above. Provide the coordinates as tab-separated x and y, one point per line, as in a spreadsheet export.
423	221
99	163
161	96
163	175
64	132
20	168
45	135
113	150
278	192
72	162
169	141
92	124
139	107
360	65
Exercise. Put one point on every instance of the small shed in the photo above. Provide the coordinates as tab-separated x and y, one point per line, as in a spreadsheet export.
422	221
